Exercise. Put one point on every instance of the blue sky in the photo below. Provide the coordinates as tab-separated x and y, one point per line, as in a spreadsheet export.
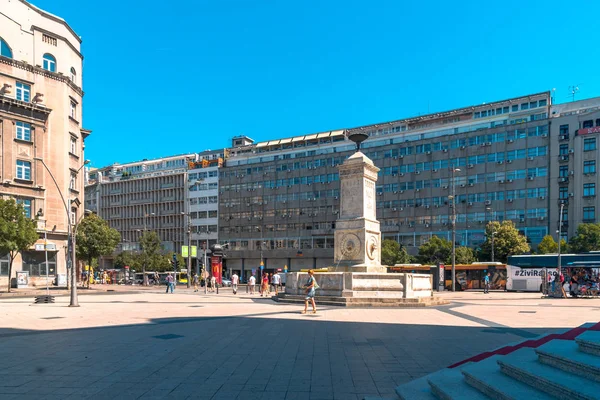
171	77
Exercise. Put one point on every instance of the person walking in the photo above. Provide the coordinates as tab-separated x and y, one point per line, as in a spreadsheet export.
276	281
487	283
252	284
170	284
311	286
195	282
265	285
234	282
213	283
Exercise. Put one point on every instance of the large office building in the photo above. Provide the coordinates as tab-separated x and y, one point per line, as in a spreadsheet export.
41	124
279	199
142	196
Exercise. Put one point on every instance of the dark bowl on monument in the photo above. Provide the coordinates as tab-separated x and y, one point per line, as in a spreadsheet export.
358	138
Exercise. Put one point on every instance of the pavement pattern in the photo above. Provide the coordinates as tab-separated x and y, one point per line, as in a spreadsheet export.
150	345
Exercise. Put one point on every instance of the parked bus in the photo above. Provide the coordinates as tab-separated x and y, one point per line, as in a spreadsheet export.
525	272
468	276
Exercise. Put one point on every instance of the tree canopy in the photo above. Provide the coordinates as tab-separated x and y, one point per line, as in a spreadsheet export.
548	245
393	253
17	232
507	241
464	255
435	251
587	238
95	238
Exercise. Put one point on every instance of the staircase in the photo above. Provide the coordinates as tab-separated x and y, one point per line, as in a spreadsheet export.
556	366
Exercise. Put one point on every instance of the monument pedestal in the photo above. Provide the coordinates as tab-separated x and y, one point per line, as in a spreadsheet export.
357	277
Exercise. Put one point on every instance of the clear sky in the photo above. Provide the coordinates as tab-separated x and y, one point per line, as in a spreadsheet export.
172	77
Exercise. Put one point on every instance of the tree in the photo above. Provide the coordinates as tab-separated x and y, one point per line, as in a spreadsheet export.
17	232
95	238
150	244
548	245
464	255
507	241
586	239
435	251
393	253
129	259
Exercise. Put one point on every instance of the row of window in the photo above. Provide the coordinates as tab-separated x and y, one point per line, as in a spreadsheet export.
531	193
513	108
203	175
34	262
204	200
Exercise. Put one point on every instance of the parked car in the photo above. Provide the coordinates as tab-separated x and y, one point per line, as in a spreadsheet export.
226	282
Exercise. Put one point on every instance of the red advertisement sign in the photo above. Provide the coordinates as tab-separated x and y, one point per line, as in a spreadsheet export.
217	268
587	131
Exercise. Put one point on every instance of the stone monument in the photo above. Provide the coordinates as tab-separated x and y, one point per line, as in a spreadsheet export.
357	277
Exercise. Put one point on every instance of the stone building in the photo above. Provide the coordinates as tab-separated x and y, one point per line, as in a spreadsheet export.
41	119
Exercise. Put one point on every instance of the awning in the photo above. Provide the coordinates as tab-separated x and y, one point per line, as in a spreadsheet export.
273	142
323	135
283	141
298	139
310	137
262	144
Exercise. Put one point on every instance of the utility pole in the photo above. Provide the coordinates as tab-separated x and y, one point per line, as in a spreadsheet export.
189	260
205	270
557	283
453	198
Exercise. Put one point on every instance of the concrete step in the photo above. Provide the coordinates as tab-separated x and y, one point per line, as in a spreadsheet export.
523	365
363	301
565	354
486	377
448	384
589	342
418	389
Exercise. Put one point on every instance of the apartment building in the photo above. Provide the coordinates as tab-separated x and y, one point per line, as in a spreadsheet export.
41	129
140	196
280	199
574	128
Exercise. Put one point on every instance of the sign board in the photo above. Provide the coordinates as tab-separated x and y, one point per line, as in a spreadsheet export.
39	247
22	279
184	251
194	251
51	247
216	267
587	131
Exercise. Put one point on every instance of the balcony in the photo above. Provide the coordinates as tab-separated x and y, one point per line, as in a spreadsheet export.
563	137
563	158
563	179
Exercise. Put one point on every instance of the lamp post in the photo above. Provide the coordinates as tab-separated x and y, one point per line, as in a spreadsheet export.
557	283
74	301
452	197
189	257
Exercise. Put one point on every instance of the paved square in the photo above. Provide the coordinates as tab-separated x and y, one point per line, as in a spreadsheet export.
152	345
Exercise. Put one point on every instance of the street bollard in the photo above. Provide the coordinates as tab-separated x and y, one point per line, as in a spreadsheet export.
217	285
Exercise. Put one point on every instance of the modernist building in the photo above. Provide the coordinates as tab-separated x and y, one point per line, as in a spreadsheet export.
41	119
140	196
279	199
574	149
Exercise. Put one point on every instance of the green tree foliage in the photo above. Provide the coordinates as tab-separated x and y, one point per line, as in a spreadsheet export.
393	253
548	246
150	244
17	232
435	251
129	259
586	239
95	238
464	255
507	241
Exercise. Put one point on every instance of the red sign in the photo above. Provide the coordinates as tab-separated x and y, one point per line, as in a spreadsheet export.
217	268
587	131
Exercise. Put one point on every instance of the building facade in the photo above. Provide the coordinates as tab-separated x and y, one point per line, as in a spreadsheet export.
280	199
142	196
574	153
41	123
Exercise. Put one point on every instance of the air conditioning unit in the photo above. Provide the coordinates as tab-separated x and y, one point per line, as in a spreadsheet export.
395	157
336	197
463	147
401	174
394	174
400	156
571	194
482	145
401	208
444	187
445	150
541	218
394	209
470	204
509	181
462	185
417	172
445	224
395	192
379	193
571	151
437	206
544	135
510	141
470	166
426	225
542	197
481	221
521	219
488	144
428	153
418	190
501	181
428	206
470	184
509	161
510	200
572	173
529	158
531	178
402	191
488	202
435	170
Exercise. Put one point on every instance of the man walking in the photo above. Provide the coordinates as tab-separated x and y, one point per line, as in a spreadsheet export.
252	284
486	290
234	282
195	282
170	284
276	281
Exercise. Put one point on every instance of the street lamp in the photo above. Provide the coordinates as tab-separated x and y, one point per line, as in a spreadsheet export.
557	283
189	257
74	301
493	233
453	198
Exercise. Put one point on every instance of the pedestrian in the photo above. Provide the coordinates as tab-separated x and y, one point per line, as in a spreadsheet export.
252	283
276	280
170	284
311	286
487	283
213	283
234	282
265	285
156	278
195	282
104	277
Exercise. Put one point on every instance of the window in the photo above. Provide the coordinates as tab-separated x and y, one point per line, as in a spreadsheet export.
525	106
73	148
73	181
23	131
73	112
542	103
23	170
563	171
49	62
563	150
564	129
589	214
34	262
589	167
589	189
588	124
5	50
49	39
515	107
23	92
26	203
563	193
73	74
589	144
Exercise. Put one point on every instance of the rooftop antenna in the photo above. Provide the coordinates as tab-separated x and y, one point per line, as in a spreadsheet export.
573	90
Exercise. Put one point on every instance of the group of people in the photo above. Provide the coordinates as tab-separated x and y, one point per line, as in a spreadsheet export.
581	282
268	280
